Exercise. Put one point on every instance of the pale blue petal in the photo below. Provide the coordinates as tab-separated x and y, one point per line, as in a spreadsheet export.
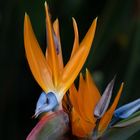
103	103
42	100
128	109
46	102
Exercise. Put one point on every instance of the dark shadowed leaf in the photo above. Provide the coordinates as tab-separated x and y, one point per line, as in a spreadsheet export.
121	133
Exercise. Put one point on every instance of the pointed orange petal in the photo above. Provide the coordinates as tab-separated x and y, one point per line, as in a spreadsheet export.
35	57
76	39
94	92
51	50
73	97
105	120
77	129
73	71
87	41
75	64
81	95
92	96
60	58
80	127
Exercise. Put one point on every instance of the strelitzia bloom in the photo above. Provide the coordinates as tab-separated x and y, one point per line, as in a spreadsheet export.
89	115
85	112
49	71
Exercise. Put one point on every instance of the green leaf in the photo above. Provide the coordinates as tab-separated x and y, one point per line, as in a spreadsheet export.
130	120
121	133
50	127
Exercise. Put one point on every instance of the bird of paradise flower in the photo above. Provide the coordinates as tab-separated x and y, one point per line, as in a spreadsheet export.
89	112
89	109
49	71
85	109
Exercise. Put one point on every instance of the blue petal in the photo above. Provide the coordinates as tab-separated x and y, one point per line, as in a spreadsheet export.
128	109
104	101
42	100
46	102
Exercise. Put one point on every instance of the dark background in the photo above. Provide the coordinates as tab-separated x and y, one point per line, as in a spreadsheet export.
116	50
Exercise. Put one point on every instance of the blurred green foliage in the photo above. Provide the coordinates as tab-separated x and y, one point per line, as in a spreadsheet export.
116	50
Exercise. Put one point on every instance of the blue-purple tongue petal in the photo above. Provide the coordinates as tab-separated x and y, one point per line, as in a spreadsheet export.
129	121
42	100
103	103
127	110
46	102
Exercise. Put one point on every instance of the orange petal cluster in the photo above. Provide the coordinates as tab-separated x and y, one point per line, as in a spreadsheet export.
48	70
83	102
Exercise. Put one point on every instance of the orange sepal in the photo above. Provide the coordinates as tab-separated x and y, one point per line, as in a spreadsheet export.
73	97
92	97
35	57
81	97
72	70
80	127
76	62
76	39
51	50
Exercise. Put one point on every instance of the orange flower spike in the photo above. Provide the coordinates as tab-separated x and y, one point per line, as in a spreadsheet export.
36	58
77	128
51	75
92	96
73	67
105	120
73	97
80	127
76	39
51	48
76	120
81	96
83	121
